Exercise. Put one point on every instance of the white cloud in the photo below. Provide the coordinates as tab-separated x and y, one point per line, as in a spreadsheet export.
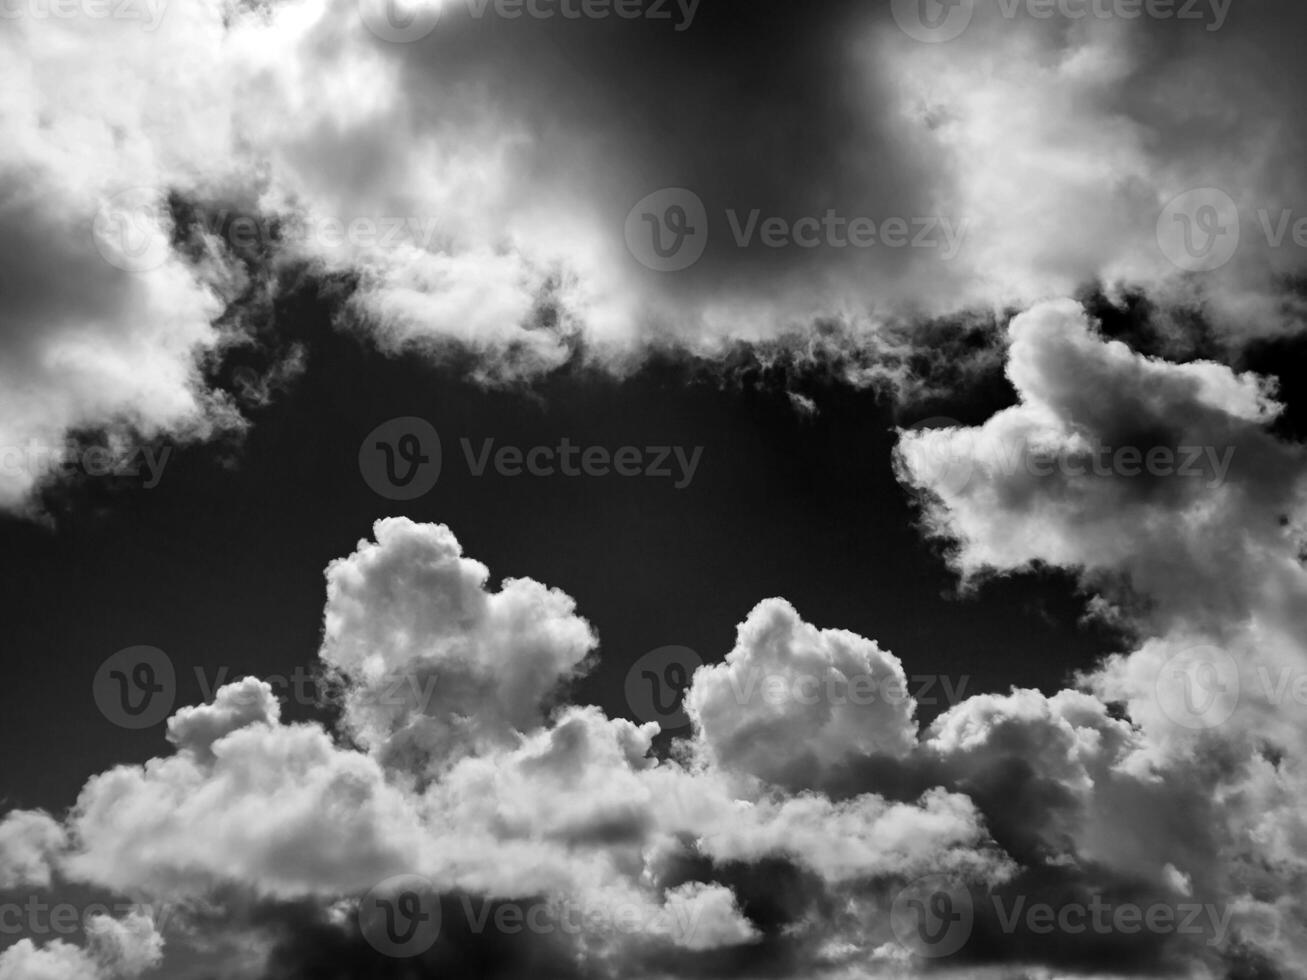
790	696
116	949
574	807
410	608
28	840
1205	569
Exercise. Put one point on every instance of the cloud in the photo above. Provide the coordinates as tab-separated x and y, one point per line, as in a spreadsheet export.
279	808
195	729
28	839
569	810
1204	568
411	623
471	190
1055	479
1065	136
116	949
790	697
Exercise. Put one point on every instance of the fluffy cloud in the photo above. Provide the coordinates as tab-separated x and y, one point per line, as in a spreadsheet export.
28	839
278	807
438	664
1063	478
571	809
474	775
1205	568
195	729
1064	131
116	949
790	697
477	202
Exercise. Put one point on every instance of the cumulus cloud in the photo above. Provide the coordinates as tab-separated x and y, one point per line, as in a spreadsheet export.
1065	131
28	840
790	697
1205	567
195	729
571	809
476	202
778	827
116	949
438	662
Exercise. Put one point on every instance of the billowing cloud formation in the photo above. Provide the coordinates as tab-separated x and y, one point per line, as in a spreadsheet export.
790	697
116	949
572	810
409	621
28	838
806	795
720	849
473	186
1072	135
1202	559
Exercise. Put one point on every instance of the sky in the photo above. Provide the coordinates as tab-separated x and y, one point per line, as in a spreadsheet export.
652	488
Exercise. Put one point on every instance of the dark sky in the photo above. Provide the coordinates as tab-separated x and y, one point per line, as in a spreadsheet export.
221	565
